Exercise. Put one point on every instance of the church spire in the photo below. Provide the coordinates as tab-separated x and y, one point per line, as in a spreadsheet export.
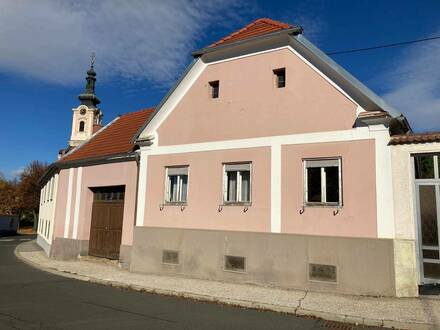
88	98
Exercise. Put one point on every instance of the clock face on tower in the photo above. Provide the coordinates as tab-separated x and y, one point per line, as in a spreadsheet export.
82	112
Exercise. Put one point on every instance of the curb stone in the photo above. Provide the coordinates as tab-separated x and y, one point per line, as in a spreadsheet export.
294	310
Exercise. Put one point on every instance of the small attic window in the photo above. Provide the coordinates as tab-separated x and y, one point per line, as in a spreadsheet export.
280	77
214	87
81	126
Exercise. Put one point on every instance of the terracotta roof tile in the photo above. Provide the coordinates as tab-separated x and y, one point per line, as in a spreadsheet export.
415	138
116	138
257	28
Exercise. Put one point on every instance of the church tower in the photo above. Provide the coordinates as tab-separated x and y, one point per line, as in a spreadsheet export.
87	117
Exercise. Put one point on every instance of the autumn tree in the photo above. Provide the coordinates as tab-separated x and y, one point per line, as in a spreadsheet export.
9	201
28	189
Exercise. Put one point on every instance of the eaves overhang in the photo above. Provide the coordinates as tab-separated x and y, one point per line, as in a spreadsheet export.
291	31
109	159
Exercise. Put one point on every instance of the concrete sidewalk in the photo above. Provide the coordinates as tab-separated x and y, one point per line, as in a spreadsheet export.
401	313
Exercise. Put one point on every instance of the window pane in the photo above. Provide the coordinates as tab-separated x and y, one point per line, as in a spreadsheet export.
280	76
332	184
428	215
173	188
424	167
281	81
184	179
314	184
215	85
245	186
431	270
232	186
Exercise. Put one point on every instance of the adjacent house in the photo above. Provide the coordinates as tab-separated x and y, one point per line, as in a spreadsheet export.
266	163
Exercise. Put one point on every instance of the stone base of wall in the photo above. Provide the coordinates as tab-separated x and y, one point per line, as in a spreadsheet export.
124	256
363	266
44	245
66	248
405	268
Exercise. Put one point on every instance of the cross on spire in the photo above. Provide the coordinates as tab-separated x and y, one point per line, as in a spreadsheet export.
92	60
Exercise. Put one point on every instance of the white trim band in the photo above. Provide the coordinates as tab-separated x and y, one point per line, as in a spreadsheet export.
275	189
77	202
68	204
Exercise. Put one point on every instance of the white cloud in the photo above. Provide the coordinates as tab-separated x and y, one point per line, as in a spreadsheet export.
52	40
16	173
415	85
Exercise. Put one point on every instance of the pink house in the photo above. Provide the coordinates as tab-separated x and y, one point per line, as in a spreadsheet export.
266	163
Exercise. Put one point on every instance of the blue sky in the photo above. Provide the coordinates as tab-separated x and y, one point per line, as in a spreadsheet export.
143	46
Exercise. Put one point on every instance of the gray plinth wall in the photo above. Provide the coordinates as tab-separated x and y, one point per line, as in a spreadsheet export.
359	266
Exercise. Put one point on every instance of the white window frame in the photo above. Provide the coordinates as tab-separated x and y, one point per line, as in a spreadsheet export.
323	202
167	196
239	185
435	182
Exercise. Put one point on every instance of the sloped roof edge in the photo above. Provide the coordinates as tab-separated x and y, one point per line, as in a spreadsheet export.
381	104
164	99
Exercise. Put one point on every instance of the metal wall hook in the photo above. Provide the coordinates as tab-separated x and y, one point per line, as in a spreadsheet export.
220	208
336	212
182	207
161	206
245	208
302	210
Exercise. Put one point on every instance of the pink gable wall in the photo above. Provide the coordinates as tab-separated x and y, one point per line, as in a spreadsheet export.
251	106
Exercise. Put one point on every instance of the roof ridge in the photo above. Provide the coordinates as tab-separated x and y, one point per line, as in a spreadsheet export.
274	23
271	21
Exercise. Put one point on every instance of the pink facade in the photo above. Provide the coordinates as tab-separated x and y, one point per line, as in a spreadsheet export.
205	192
113	174
251	106
357	216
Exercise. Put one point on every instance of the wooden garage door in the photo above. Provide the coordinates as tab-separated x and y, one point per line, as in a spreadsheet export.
106	224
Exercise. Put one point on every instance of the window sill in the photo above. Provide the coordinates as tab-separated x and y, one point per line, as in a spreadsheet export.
175	204
236	204
323	205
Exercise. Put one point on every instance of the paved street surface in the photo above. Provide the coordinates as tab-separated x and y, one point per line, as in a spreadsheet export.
33	299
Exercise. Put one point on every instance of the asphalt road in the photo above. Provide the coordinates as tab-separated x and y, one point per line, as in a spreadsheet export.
33	299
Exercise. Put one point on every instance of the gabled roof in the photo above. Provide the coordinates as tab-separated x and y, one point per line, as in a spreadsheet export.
277	34
114	139
257	28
